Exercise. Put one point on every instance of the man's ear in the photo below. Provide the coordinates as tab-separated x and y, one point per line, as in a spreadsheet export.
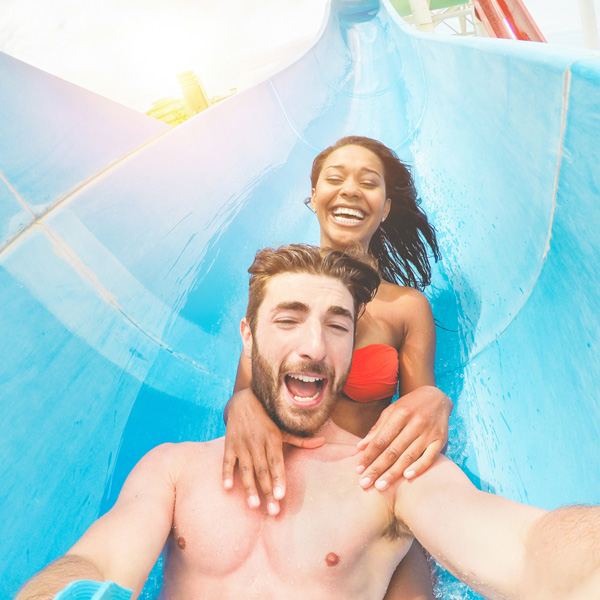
246	337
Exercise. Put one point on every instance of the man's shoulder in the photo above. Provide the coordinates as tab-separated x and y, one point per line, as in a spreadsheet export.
172	457
434	485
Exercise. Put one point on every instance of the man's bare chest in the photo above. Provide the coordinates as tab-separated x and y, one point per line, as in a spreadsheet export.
327	525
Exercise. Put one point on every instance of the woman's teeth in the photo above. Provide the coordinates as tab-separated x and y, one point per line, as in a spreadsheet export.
348	215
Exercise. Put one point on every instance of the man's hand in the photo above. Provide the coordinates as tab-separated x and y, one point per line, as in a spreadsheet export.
406	439
254	442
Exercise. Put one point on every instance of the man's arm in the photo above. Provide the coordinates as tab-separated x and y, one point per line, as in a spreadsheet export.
502	549
123	545
563	550
588	589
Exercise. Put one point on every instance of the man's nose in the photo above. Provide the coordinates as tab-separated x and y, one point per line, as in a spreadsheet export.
312	344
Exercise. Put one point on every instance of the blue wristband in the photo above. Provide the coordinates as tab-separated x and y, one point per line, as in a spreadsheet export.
93	590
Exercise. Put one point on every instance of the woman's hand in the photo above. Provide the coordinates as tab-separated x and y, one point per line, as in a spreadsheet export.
255	442
406	439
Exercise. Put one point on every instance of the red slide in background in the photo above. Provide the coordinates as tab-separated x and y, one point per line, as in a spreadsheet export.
508	19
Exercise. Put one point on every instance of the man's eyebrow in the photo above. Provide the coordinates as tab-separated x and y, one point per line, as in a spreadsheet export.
300	306
341	311
292	305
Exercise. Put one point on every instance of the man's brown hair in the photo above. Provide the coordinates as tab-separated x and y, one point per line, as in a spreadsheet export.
350	268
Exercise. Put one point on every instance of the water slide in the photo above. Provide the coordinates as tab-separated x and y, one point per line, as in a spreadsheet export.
124	246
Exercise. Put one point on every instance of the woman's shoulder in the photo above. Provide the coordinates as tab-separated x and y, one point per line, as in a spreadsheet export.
399	310
391	292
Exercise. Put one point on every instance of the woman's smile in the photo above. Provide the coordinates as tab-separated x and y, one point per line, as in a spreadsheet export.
350	197
347	216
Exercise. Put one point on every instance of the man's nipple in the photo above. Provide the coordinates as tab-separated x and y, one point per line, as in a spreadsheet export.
332	559
181	542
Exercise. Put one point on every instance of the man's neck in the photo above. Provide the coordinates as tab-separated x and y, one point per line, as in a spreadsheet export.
334	434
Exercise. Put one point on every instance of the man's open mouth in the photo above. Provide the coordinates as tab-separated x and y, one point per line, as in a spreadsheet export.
305	390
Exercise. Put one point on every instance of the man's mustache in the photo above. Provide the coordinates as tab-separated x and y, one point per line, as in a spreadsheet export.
313	367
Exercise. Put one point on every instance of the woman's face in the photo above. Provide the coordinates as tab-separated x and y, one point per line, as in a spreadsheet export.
350	199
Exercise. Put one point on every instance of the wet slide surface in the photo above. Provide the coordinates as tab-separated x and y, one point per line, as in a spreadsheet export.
124	247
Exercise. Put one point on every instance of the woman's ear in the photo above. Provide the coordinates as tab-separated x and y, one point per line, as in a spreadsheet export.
386	209
312	201
246	334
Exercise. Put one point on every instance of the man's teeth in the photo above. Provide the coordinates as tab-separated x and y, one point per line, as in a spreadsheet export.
307	398
306	378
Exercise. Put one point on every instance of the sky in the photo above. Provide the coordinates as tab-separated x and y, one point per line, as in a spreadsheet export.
132	50
560	20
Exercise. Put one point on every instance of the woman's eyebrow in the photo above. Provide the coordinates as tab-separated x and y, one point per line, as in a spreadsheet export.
363	169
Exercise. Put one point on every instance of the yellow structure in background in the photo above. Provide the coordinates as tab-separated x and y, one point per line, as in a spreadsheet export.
175	111
170	110
194	95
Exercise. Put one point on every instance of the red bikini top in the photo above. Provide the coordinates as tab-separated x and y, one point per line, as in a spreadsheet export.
374	373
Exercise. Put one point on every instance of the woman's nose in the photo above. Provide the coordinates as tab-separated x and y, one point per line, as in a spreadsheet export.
350	188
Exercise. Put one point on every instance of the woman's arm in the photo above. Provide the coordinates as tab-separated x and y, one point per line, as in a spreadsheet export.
243	378
412	431
255	443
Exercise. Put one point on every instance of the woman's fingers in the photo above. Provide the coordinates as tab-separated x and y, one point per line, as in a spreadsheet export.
262	470
393	461
379	440
365	441
246	468
396	471
406	457
229	462
254	443
385	414
406	439
422	464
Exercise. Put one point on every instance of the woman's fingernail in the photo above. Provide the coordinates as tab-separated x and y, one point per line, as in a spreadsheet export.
365	482
278	493
273	509
381	485
360	469
253	502
228	484
409	473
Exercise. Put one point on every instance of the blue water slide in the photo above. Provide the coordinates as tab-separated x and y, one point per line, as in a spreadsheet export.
124	246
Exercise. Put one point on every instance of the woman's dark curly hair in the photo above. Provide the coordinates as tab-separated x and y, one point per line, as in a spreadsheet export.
399	245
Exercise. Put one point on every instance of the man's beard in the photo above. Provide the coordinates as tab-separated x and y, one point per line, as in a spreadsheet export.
296	420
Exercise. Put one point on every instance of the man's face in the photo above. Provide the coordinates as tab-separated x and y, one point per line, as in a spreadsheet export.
302	349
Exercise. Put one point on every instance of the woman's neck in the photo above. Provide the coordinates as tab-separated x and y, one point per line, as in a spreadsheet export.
328	243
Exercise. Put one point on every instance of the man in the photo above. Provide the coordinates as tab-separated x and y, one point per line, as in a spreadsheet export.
331	539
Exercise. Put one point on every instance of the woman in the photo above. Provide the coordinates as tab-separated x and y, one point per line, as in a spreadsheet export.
363	195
